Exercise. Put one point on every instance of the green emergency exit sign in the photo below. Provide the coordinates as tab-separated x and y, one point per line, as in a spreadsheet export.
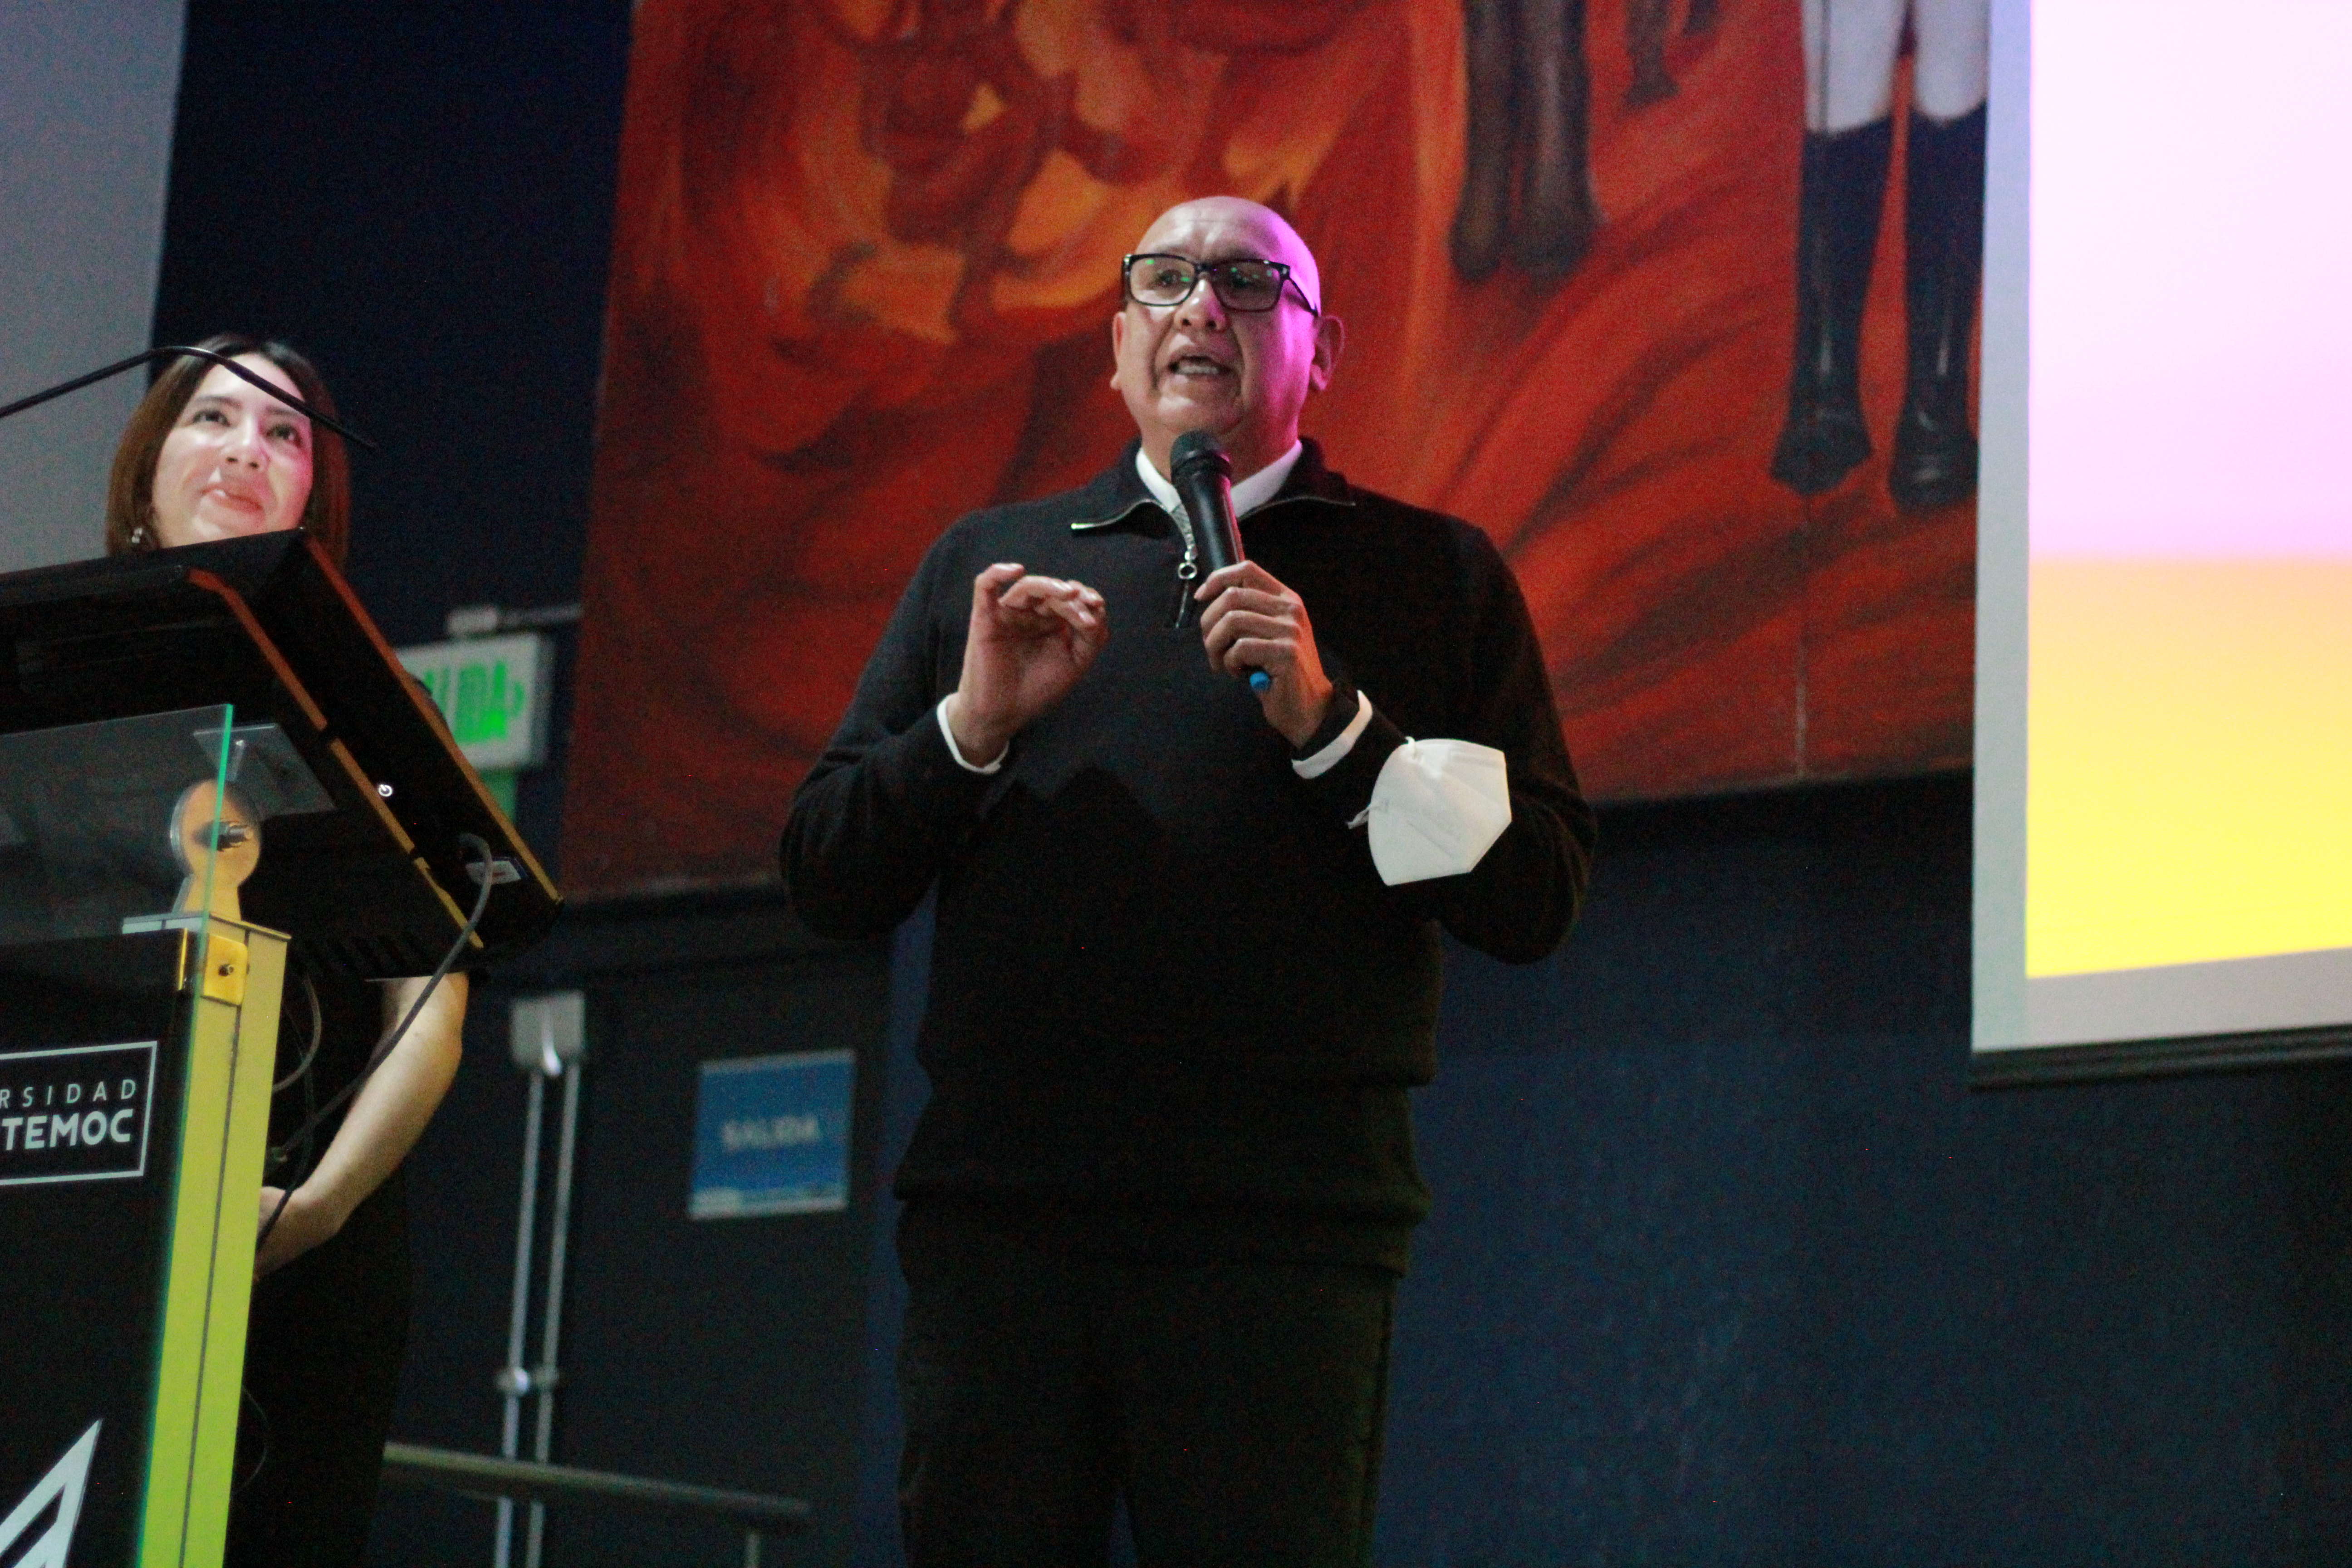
493	692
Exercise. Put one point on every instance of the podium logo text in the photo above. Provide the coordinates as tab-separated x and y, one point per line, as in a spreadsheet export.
78	1113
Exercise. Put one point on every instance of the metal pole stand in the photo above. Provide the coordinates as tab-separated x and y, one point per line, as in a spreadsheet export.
547	1037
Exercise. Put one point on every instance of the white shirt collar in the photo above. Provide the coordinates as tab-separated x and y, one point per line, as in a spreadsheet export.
1248	496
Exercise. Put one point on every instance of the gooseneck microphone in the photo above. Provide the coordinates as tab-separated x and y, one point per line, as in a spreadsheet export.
1203	477
185	351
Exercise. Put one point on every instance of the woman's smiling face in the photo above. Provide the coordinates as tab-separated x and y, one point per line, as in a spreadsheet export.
238	460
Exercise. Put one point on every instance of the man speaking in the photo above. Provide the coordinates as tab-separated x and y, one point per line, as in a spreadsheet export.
1187	961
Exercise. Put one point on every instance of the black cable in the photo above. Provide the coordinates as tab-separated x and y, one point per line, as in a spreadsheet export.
261	1460
301	1075
305	1163
488	862
318	1030
180	351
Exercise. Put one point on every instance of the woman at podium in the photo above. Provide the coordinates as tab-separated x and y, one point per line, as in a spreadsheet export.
208	456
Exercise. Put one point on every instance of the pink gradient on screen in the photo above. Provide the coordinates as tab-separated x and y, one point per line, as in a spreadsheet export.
2191	285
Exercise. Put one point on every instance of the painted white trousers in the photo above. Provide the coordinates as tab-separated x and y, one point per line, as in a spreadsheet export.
1850	47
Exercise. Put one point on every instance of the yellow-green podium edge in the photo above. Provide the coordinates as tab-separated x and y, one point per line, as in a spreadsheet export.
232	1046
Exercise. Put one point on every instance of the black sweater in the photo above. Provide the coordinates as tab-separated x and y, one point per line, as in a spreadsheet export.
1169	991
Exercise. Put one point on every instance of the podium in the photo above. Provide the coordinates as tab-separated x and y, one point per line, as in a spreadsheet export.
210	763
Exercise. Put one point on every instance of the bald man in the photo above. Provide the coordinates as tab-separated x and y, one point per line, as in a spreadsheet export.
1187	957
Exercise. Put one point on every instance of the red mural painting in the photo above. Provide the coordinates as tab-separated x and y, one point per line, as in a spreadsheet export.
866	262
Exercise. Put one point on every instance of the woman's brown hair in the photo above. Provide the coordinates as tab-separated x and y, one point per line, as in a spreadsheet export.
131	489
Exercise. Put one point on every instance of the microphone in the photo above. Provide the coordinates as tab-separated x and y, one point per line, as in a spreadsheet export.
185	351
1203	477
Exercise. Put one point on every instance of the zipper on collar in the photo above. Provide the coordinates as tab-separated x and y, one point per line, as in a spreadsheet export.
1188	569
1091	525
1281	501
1186	610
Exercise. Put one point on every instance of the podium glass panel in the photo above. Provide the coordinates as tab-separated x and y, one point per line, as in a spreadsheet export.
90	831
138	1030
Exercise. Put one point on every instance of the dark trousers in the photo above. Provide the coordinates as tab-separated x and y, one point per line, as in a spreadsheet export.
1236	1406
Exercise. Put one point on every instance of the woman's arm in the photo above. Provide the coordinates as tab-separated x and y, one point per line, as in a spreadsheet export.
383	1123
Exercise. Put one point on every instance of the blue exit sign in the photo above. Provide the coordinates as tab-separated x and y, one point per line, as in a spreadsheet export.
771	1135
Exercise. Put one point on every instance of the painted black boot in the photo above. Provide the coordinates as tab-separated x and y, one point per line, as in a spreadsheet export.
1646	21
1943	236
1844	184
1557	216
1482	218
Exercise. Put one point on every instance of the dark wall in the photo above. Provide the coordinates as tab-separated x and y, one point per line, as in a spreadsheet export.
723	1353
1727	1267
420	197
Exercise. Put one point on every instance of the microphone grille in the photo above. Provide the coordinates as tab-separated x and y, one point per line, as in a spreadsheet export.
1195	447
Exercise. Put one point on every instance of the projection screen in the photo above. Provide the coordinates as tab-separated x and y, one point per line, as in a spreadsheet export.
2164	675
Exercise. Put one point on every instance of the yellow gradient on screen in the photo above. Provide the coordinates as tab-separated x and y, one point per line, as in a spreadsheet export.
2189	795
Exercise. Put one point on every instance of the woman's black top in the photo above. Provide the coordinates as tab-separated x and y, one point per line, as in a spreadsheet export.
322	1356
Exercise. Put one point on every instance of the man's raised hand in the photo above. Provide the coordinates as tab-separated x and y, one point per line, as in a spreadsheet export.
1031	638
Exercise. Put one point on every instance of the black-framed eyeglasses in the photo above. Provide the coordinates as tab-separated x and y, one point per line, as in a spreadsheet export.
1244	283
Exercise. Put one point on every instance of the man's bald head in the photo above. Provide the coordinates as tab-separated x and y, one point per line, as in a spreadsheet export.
1202	365
1280	241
